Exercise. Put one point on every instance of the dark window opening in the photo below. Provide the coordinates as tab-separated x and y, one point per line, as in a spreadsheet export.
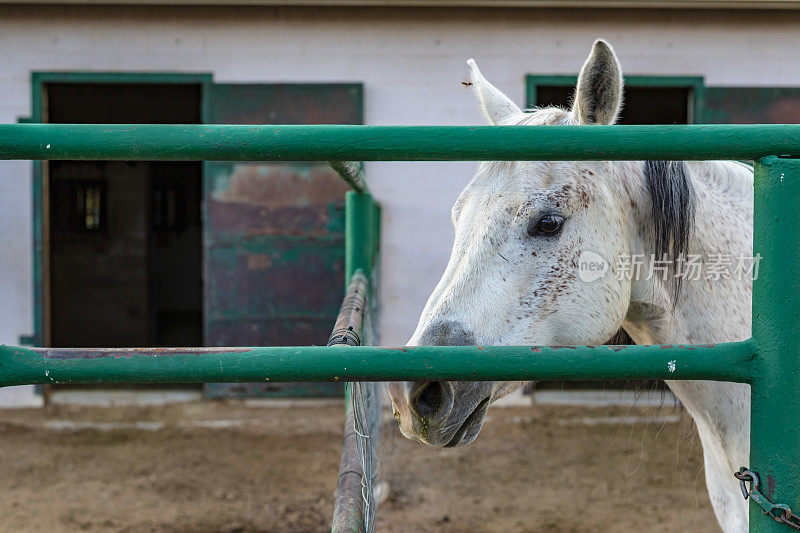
641	105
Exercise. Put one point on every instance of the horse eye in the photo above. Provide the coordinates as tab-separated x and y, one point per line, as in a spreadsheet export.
548	225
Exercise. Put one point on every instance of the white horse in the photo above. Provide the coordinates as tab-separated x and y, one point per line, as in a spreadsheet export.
521	229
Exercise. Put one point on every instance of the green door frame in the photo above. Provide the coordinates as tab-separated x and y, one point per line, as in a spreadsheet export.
39	80
696	84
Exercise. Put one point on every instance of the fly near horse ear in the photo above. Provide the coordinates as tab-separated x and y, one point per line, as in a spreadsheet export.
496	106
598	96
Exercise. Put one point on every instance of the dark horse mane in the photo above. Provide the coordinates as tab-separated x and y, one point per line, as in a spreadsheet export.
673	203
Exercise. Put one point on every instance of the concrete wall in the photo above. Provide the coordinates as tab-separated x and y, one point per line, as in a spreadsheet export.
411	62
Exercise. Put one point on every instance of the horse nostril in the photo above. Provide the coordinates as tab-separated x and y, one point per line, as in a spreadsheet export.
428	399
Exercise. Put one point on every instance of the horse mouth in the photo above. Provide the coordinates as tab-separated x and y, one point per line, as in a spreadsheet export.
474	420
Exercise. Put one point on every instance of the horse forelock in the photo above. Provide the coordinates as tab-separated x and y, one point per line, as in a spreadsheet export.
545	116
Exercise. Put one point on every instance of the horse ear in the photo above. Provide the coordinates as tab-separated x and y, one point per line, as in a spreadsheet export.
496	106
598	96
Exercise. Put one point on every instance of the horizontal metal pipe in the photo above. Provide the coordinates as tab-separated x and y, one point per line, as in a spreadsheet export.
395	143
721	362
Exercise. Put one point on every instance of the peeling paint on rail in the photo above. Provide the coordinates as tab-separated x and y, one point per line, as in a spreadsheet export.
64	354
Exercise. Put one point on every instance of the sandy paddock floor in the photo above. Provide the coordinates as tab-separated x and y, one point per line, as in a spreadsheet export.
218	466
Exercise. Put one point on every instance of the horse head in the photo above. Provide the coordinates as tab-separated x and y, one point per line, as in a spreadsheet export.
524	231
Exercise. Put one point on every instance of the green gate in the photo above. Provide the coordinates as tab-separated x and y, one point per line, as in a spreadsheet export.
769	361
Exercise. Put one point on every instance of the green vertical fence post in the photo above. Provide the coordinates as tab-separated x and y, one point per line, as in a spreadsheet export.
775	416
360	234
362	217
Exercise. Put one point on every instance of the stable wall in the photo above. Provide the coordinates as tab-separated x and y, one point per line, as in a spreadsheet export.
411	62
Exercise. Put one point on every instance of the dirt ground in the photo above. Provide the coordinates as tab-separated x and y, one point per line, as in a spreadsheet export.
217	466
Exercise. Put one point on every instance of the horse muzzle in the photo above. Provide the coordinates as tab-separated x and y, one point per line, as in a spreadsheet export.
469	429
441	413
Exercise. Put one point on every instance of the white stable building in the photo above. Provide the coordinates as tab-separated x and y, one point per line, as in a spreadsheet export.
153	254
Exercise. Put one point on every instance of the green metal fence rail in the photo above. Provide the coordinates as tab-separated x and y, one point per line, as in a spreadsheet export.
722	362
394	143
769	361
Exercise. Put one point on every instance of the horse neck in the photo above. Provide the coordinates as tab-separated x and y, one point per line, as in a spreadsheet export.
706	310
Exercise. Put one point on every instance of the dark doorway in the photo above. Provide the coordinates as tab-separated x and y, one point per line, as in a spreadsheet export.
643	105
125	238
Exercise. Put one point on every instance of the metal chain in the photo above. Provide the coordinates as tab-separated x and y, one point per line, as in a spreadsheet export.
777	511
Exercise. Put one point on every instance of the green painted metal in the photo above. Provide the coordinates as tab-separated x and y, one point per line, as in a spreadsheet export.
775	388
37	193
397	143
356	322
38	78
267	230
722	362
30	339
269	227
37	213
285	103
751	105
780	512
361	238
